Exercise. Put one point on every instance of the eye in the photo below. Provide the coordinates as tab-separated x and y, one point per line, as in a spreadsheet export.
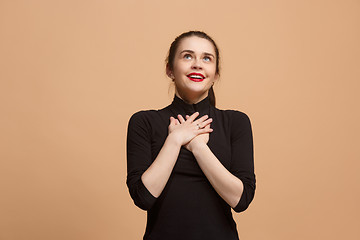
207	58
187	56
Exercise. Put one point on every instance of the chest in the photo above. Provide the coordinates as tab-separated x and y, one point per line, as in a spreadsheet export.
219	143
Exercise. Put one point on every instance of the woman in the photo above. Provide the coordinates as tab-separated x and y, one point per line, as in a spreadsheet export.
190	163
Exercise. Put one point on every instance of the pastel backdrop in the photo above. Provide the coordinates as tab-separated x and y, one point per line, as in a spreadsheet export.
73	72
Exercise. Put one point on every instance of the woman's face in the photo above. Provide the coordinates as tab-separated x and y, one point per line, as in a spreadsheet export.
194	68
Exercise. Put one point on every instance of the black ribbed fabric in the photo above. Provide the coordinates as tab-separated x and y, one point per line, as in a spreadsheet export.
189	208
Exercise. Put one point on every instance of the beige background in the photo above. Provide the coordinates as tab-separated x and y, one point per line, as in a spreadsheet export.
73	72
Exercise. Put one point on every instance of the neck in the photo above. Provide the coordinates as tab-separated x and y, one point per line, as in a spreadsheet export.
191	99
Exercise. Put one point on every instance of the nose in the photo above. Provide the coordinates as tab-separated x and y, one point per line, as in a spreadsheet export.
196	64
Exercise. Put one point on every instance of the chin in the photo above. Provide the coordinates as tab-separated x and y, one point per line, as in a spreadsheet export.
193	89
196	92
197	88
199	91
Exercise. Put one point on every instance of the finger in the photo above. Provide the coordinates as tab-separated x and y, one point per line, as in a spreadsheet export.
181	118
193	116
172	121
204	127
207	126
205	123
202	119
177	122
187	116
205	130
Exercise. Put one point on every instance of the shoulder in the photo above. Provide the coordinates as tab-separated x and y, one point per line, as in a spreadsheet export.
149	113
142	114
143	117
233	116
237	122
149	117
238	117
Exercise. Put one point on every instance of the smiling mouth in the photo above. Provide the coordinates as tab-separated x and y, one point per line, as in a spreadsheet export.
196	77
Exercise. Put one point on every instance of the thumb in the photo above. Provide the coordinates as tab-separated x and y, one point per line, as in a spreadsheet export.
172	121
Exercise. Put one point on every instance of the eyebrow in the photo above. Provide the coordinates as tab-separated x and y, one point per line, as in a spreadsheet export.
191	51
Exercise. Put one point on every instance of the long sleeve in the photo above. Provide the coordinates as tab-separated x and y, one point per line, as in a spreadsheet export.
139	159
189	207
242	157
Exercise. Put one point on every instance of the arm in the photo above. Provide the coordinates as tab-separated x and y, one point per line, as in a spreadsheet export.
237	185
157	175
242	157
139	159
146	180
228	186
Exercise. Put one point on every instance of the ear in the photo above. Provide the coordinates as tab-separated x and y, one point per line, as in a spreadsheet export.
217	76
169	72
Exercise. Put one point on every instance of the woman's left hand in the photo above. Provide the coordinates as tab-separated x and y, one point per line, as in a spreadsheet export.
198	140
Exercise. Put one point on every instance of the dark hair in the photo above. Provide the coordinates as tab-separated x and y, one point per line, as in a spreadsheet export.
172	51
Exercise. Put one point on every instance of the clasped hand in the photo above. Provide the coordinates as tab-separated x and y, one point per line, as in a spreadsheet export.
190	132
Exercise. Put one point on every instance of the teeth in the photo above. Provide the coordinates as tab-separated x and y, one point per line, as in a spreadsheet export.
195	76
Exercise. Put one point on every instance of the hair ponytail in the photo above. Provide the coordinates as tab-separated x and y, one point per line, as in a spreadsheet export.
212	96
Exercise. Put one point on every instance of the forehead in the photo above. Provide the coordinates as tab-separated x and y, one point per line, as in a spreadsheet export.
196	44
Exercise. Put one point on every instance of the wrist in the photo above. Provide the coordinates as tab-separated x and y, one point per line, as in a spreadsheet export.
196	145
171	138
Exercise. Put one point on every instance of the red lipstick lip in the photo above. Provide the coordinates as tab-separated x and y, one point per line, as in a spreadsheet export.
194	73
196	79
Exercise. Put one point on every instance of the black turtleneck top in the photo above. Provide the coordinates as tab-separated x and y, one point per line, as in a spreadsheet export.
189	208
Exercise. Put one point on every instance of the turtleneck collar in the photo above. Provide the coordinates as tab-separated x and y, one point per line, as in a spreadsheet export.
185	108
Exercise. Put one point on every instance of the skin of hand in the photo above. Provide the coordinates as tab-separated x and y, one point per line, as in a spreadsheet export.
199	139
229	187
185	130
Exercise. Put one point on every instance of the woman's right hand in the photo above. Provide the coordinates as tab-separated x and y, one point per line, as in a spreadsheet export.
184	131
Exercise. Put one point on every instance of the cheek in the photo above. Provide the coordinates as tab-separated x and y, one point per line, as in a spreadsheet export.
212	72
182	64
